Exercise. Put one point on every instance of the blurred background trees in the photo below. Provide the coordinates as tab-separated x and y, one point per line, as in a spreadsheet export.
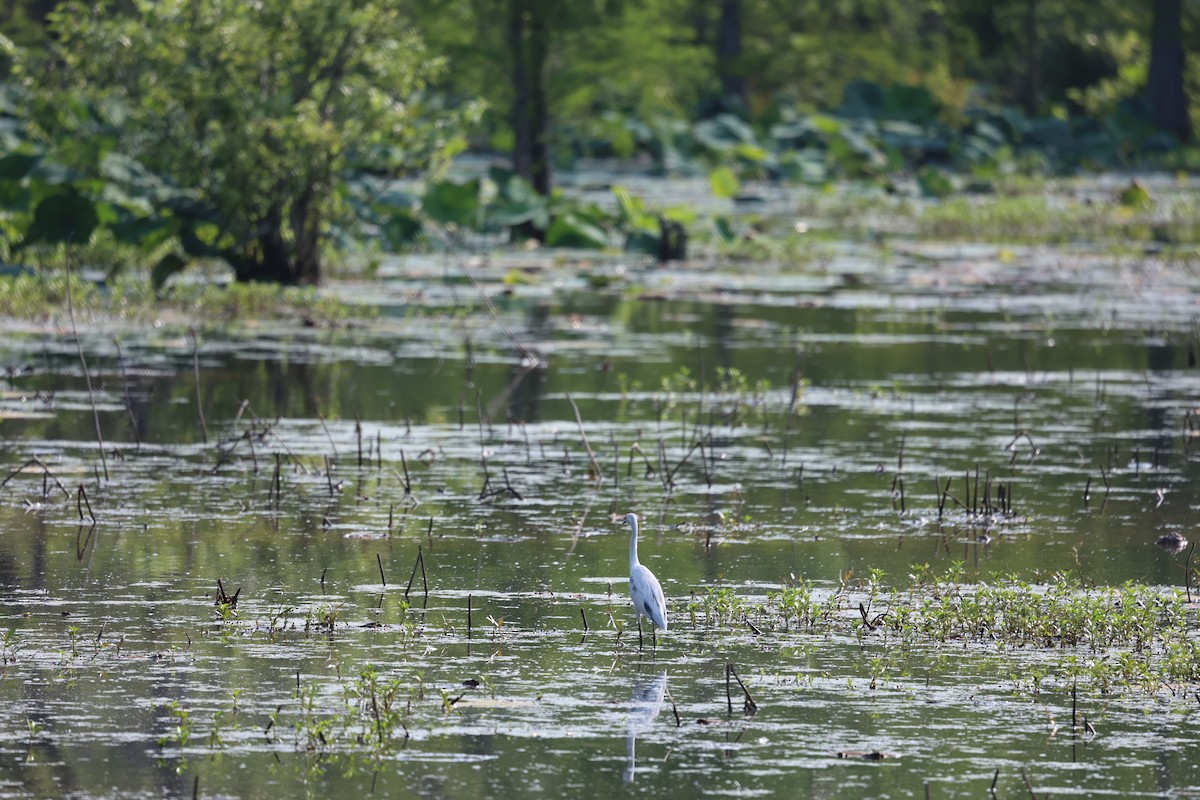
253	133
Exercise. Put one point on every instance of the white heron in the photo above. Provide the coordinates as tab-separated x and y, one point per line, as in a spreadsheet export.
644	588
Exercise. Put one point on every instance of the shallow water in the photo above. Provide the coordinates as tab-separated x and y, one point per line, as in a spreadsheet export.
1065	375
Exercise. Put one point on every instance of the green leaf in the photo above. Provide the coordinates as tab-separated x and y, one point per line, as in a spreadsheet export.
632	211
516	203
643	242
862	98
724	228
724	183
61	217
401	230
509	215
14	196
825	124
145	232
194	244
394	196
752	153
453	203
569	230
168	265
16	166
934	182
1136	195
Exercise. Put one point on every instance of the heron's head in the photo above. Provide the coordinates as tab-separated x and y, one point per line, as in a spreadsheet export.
631	520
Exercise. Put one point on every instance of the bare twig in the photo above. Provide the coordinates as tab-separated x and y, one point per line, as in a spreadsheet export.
419	563
749	706
81	500
328	435
599	473
1028	785
45	472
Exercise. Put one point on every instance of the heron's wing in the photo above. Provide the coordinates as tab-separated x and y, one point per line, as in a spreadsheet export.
647	595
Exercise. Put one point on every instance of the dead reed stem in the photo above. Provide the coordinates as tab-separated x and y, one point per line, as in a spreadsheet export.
45	472
81	500
420	562
598	473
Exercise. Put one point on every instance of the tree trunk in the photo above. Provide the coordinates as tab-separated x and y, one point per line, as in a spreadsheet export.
539	112
267	259
1033	61
1164	84
306	236
729	51
529	45
522	155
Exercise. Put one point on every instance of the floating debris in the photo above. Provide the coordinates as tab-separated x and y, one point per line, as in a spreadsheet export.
1172	542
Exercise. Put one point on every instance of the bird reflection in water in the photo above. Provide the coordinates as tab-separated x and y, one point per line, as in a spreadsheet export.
648	693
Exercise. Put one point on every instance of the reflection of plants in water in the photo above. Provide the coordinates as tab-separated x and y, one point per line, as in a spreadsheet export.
215	738
378	706
674	387
9	646
227	613
180	733
627	387
616	622
73	635
315	731
277	620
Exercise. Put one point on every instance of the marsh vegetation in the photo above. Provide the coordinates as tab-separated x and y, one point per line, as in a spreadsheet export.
903	499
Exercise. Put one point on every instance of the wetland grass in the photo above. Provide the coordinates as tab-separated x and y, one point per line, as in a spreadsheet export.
1051	633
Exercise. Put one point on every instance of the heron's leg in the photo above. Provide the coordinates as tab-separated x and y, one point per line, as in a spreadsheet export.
640	641
653	637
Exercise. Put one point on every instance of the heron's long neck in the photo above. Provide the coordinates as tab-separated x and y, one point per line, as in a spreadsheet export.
633	559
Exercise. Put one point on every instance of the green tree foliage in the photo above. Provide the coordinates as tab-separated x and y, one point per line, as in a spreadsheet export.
548	67
653	57
24	21
239	121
